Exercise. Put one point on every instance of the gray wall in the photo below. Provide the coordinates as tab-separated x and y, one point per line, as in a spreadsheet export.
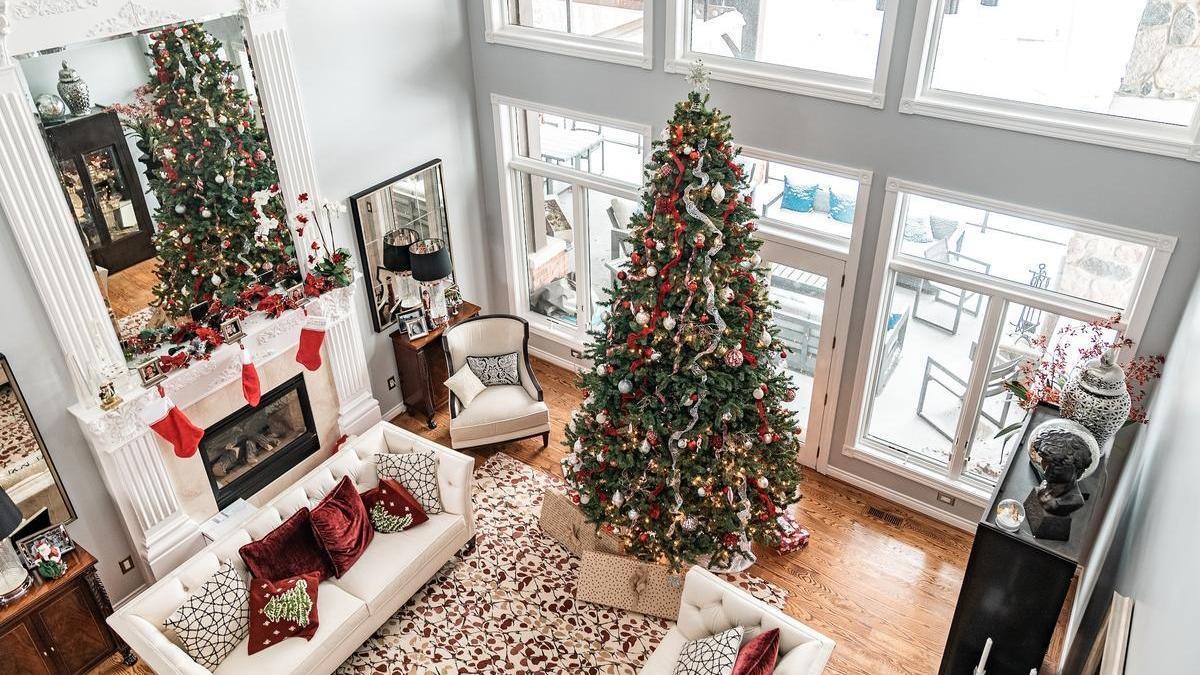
386	87
1125	188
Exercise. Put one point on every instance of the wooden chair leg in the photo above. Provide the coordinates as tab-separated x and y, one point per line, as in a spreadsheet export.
546	440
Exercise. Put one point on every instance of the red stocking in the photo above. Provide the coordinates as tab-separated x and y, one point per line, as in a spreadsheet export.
312	336
251	387
169	422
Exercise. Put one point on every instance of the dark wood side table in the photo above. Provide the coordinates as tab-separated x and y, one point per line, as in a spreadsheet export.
58	626
422	367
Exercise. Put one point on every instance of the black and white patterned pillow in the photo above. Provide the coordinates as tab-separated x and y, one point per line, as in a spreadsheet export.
417	472
713	655
495	370
215	620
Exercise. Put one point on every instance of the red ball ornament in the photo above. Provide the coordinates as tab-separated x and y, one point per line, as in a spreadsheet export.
691	445
703	318
625	304
652	437
694	156
644	537
749	200
692	286
731	540
734	358
750	227
648	352
621	275
695	397
649	243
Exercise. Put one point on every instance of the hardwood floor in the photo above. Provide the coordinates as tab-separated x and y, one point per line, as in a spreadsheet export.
132	288
885	593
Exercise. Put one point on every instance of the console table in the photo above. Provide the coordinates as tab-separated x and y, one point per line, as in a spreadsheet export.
58	626
1015	584
422	367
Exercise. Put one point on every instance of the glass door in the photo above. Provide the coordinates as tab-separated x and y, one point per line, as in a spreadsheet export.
807	287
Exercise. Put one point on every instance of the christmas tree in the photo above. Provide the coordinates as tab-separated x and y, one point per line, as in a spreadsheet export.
684	445
221	220
291	605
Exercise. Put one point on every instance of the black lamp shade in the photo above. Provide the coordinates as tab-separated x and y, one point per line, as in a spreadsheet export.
395	249
10	515
430	260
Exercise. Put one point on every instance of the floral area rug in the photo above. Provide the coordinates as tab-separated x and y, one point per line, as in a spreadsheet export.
509	605
20	455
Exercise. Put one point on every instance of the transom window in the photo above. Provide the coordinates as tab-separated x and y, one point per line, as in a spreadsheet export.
1123	73
571	184
830	48
812	199
972	291
607	30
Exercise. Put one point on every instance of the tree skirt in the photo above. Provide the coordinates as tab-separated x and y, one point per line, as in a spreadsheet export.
509	606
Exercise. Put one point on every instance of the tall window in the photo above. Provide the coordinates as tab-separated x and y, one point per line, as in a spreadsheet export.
607	30
972	291
571	185
1121	72
815	200
829	48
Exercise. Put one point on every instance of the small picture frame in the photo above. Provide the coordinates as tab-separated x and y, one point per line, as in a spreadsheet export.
150	372
296	295
55	536
403	316
415	328
231	330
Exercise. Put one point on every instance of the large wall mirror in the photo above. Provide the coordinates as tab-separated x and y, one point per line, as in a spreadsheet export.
154	135
26	473
388	218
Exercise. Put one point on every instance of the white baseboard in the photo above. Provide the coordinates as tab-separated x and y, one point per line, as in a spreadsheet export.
398	409
556	360
901	499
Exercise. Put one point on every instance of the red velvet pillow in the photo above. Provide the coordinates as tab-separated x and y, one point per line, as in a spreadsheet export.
282	609
287	551
342	527
758	655
392	508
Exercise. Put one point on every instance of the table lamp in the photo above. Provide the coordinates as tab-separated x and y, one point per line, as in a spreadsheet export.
431	265
15	580
396	259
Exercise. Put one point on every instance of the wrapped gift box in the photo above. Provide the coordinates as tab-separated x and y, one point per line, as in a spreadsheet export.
563	521
630	584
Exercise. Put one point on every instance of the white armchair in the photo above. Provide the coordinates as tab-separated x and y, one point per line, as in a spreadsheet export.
502	412
710	606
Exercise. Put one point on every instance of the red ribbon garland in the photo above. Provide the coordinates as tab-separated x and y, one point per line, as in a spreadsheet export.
762	494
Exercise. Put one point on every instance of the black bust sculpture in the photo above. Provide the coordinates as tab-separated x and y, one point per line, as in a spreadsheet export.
1062	454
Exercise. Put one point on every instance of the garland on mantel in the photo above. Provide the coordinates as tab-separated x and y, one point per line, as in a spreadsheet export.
195	340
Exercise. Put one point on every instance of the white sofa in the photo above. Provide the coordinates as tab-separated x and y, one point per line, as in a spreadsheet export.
392	569
710	606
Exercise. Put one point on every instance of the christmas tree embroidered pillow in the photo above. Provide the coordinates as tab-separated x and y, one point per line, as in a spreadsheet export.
282	609
287	551
341	525
417	472
214	620
392	508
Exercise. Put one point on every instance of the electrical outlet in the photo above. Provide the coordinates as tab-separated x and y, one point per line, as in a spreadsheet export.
126	565
576	353
946	499
391	383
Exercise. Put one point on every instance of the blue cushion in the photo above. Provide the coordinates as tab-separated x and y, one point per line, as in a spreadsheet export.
798	197
841	207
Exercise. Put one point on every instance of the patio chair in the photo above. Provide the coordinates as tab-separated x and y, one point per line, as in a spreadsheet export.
962	300
1026	325
936	373
893	347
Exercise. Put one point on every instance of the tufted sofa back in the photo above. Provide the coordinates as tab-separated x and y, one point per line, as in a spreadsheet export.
710	606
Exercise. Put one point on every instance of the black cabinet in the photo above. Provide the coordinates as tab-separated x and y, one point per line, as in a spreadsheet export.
103	190
1015	584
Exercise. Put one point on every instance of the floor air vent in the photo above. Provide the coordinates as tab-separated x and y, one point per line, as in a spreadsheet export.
889	518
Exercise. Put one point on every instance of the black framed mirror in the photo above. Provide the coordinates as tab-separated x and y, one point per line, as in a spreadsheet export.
27	473
388	218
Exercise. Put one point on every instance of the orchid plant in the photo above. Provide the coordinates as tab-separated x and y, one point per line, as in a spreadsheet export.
330	264
1043	381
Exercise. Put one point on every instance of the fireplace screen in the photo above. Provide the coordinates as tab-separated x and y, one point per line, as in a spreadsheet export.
244	452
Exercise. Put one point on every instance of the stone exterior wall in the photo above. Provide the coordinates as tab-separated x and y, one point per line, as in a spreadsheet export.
1166	52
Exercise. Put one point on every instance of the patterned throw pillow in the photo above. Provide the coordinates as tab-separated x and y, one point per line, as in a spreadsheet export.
495	370
282	609
714	655
215	619
392	508
417	472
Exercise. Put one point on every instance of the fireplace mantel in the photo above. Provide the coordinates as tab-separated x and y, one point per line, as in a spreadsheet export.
127	451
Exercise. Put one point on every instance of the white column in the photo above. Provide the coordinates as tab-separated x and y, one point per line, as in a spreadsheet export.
358	409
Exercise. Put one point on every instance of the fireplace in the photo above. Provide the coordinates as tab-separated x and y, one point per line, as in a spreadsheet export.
244	452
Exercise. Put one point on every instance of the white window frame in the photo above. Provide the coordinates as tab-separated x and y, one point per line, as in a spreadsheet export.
819	84
510	166
498	30
920	98
889	261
